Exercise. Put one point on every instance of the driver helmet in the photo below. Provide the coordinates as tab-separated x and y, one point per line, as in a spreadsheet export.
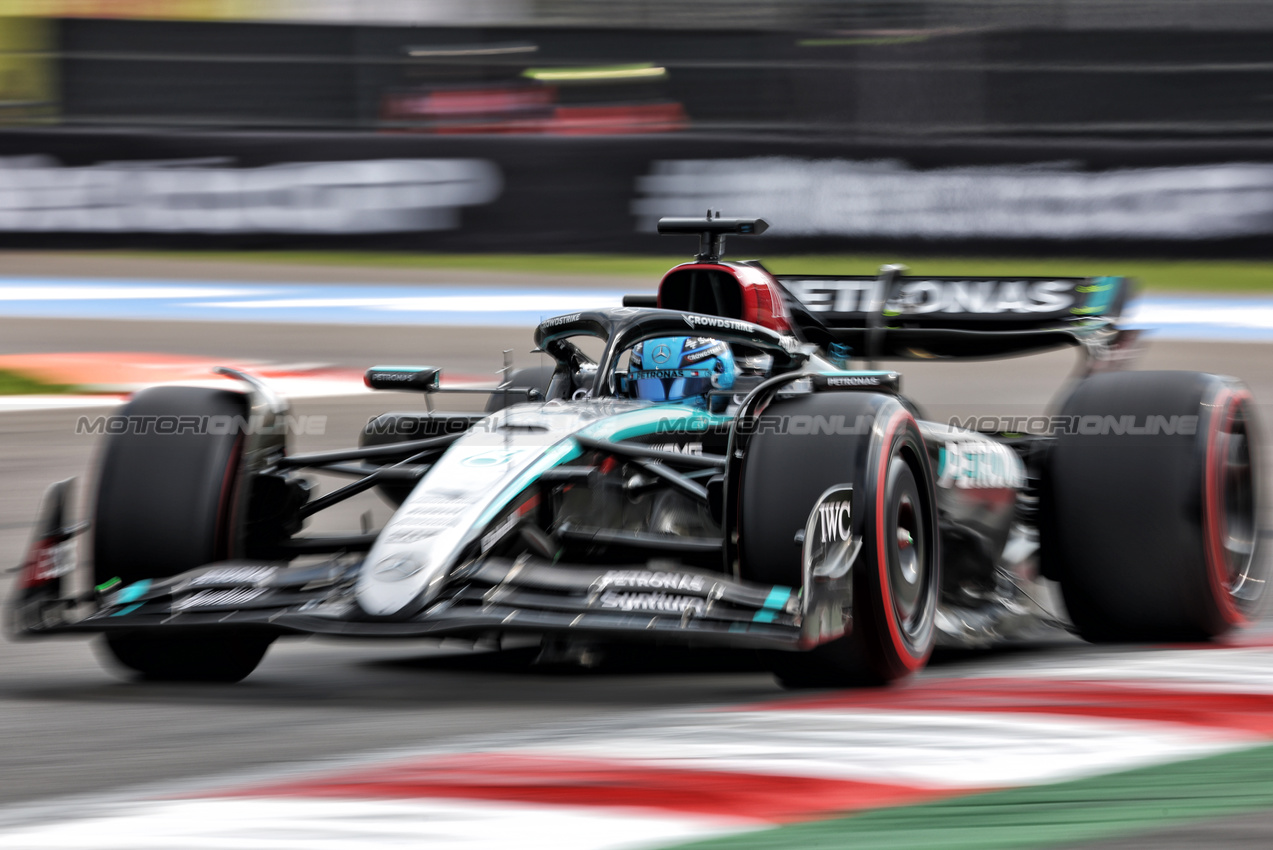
680	368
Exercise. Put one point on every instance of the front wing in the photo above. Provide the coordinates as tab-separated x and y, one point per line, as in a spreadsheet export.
484	597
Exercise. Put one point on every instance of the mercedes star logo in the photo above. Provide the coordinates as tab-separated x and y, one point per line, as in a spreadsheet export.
397	568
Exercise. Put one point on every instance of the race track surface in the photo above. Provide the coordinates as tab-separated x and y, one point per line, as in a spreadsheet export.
77	737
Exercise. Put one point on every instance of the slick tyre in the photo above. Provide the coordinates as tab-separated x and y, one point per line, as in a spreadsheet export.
166	503
895	578
1149	508
189	658
537	377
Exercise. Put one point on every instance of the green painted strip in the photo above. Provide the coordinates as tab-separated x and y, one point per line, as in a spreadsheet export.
1126	803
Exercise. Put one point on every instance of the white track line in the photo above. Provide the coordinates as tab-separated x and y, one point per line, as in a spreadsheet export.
326	824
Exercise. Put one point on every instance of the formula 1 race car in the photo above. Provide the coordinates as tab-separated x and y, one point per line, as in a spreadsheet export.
717	475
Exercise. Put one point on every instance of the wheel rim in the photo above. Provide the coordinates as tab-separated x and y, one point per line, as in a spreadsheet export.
905	566
909	572
1237	524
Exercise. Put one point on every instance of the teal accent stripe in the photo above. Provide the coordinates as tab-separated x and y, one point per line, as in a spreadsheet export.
777	598
130	609
636	423
132	593
1100	294
675	418
566	450
773	604
1104	296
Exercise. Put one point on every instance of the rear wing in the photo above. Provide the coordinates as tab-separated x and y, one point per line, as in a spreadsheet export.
898	315
893	314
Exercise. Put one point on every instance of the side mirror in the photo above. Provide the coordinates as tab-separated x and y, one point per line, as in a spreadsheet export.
422	379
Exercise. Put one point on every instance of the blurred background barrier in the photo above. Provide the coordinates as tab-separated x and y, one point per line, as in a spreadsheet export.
570	125
95	188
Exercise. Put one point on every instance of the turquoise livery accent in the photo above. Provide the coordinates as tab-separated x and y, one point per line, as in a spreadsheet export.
772	605
132	593
637	423
653	420
777	597
1100	295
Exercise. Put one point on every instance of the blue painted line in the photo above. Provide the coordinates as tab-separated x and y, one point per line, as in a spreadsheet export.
292	303
1229	318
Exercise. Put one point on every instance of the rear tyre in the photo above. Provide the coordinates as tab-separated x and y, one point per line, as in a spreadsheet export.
895	576
1153	536
166	503
537	377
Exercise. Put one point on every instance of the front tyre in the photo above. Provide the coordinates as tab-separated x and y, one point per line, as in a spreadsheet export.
188	658
895	579
166	503
898	584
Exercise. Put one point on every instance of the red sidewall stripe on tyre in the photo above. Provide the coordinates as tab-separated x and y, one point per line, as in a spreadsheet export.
1224	412
904	655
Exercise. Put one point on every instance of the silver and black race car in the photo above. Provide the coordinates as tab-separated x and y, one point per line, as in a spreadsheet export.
717	475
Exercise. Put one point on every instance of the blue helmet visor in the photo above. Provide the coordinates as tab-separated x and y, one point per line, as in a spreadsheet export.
659	385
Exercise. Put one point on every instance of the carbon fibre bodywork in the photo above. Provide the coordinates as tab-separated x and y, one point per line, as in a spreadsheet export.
585	515
496	536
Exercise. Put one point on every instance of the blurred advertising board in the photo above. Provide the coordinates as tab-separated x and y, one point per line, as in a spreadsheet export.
77	187
213	196
890	199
